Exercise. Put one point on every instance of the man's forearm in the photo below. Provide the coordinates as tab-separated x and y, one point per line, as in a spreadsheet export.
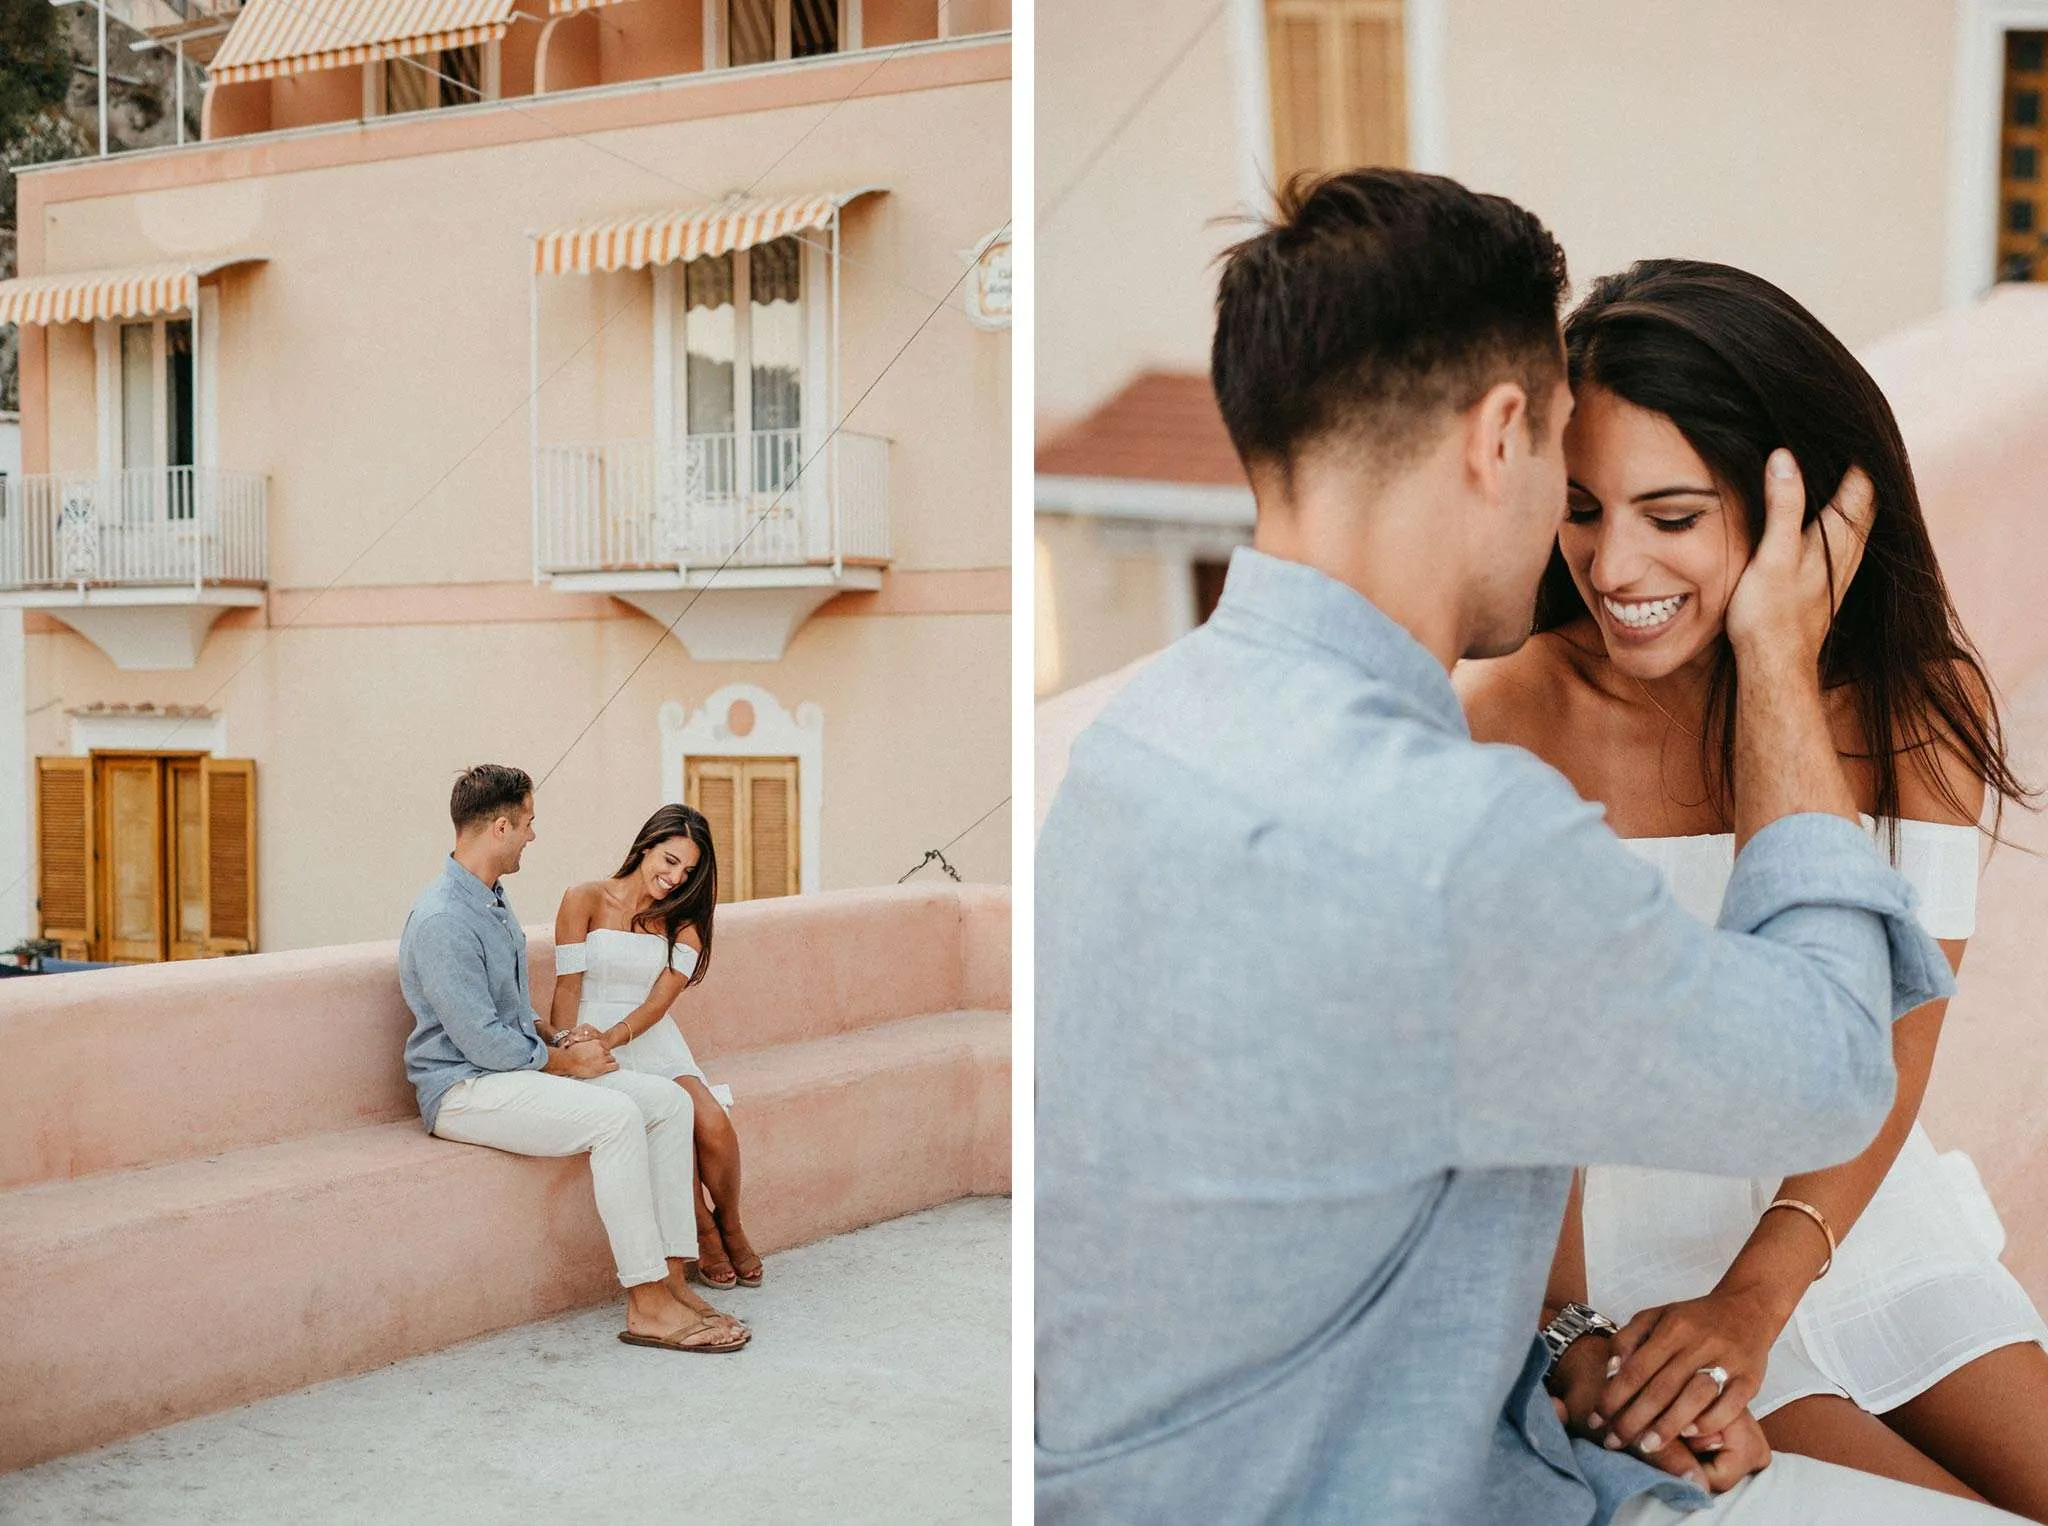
1785	760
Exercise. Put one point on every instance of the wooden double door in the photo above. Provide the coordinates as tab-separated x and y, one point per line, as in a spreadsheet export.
147	856
751	806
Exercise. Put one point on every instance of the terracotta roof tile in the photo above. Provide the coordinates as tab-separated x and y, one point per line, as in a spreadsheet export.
1163	427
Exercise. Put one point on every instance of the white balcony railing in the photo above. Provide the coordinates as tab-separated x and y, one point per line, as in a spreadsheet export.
767	499
140	528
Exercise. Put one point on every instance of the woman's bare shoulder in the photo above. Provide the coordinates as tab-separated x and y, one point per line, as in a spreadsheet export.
1511	698
580	904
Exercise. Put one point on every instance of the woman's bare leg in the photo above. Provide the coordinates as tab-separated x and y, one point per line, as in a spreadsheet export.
1987	1423
718	1163
1834	1430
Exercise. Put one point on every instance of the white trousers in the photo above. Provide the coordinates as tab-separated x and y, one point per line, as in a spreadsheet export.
638	1129
1800	1491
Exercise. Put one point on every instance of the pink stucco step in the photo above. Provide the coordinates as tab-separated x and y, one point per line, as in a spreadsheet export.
137	1298
167	1062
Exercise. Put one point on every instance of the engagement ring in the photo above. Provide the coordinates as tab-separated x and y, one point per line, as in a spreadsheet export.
1720	1377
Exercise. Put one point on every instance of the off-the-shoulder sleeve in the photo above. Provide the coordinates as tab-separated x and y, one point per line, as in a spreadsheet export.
571	958
682	959
1939	860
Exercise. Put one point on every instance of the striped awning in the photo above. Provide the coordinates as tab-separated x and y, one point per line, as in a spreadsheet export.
271	38
570	7
86	296
662	238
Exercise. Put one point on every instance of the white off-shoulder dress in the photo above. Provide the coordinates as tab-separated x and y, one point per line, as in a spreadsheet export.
618	970
1916	1290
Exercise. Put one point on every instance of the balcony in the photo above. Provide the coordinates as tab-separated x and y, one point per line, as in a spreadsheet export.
140	562
731	540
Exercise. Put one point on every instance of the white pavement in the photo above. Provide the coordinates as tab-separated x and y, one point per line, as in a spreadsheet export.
877	1389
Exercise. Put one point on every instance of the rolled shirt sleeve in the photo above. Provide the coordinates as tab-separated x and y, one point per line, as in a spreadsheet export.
1799	864
452	976
1598	1022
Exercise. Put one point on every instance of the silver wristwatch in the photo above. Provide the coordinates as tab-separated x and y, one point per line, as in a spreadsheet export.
1573	1321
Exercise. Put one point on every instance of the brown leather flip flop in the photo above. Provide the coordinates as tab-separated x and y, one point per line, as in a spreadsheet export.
679	1340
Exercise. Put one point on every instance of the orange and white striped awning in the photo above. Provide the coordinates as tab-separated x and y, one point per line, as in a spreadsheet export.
87	296
662	238
271	38
570	7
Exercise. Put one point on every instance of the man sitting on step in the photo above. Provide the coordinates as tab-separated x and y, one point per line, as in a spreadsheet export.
485	1076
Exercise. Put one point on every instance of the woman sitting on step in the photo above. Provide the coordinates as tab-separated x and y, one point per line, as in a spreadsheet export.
625	949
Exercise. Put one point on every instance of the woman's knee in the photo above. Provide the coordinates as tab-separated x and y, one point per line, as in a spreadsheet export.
715	1131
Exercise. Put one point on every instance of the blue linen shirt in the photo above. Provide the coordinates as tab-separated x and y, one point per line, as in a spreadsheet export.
462	967
1330	1001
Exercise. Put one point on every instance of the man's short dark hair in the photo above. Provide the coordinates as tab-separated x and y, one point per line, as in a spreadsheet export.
484	793
1375	301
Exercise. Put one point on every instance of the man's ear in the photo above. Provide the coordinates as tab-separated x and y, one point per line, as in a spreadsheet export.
1496	433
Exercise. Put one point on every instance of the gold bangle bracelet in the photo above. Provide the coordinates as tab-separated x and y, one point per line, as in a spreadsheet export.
1820	1219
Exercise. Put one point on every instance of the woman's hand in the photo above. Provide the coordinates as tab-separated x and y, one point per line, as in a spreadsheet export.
1737	1452
1575	1386
618	1036
1657	1391
579	1034
1796	578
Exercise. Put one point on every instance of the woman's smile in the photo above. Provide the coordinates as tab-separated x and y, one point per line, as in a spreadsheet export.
1640	621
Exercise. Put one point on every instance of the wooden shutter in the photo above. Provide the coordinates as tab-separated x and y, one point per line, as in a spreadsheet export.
1375	86
751	804
228	809
1339	84
185	856
771	827
2023	155
713	787
64	854
129	791
1294	46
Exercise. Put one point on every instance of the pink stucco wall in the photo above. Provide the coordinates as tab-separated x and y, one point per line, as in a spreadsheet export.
1971	393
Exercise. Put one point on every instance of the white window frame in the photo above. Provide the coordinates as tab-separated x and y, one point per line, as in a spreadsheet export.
1975	133
776	733
373	83
107	381
672	372
717	54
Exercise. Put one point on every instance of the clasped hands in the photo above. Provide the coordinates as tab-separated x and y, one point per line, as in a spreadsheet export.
580	1052
1647	1388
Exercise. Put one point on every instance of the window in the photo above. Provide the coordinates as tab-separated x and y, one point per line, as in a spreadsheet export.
451	77
744	333
766	31
1338	82
2022	225
147	856
751	804
152	425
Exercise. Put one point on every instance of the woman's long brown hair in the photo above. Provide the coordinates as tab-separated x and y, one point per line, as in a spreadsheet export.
1742	369
694	901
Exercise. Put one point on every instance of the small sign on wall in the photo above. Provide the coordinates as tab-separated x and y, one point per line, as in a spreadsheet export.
988	285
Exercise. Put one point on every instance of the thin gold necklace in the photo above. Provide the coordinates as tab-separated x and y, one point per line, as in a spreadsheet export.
1661	710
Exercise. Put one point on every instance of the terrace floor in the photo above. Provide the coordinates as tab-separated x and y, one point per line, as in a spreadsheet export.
877	1389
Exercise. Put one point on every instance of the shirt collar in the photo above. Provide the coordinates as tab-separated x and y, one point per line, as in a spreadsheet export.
1317	609
470	887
